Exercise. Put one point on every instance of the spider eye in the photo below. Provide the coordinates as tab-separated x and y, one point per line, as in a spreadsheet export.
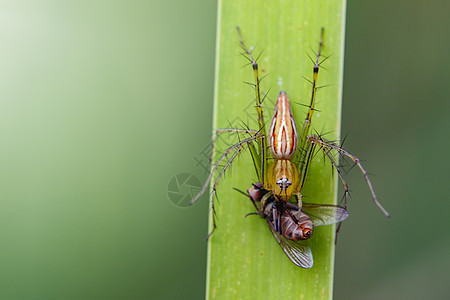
284	183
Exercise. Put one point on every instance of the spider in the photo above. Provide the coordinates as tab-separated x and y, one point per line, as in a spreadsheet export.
281	158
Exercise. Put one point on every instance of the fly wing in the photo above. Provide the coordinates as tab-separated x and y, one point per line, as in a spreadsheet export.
325	214
298	252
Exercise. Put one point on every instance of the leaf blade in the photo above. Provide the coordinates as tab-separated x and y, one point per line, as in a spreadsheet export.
244	260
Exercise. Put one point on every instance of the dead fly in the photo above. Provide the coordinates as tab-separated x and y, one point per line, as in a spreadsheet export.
282	171
292	226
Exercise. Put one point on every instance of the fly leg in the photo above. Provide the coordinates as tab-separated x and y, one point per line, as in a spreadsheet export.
287	207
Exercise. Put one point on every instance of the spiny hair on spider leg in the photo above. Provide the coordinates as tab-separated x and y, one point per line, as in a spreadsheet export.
310	58
229	164
324	59
331	142
343	140
315	54
316	152
228	142
214	194
322	134
351	168
229	123
317	88
245	54
265	95
307	80
323	86
251	84
328	155
235	150
248	52
345	197
225	140
260	54
244	126
302	151
226	169
371	174
263	77
305	105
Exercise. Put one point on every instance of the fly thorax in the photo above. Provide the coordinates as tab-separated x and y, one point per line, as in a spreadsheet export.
268	210
256	191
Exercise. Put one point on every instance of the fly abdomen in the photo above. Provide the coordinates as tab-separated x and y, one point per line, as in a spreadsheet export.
300	228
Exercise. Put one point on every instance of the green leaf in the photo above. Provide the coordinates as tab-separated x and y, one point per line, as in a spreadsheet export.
244	260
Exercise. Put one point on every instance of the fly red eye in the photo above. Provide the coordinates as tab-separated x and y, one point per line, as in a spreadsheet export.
307	232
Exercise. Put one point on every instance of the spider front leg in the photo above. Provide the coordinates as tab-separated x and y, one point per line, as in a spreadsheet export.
262	130
258	152
236	147
234	150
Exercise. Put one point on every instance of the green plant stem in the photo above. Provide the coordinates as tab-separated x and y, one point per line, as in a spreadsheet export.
244	260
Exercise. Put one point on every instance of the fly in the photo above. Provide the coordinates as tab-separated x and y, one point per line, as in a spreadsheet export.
296	225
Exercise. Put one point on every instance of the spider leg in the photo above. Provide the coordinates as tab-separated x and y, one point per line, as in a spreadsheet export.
237	149
299	200
213	217
259	110
236	130
256	156
326	145
211	152
307	123
221	131
309	114
303	165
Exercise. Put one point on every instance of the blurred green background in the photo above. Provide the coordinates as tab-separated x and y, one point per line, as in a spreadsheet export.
102	103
